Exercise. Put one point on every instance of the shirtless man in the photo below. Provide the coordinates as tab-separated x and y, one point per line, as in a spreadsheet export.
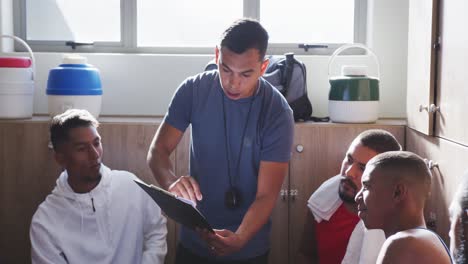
395	186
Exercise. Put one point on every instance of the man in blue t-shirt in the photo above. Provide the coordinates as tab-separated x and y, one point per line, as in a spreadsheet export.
241	136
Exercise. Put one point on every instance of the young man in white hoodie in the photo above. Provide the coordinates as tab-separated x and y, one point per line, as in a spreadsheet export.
94	214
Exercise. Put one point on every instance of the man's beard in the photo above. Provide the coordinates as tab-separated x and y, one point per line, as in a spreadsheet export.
343	195
93	178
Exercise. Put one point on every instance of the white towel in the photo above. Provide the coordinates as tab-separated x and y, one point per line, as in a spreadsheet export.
324	202
364	245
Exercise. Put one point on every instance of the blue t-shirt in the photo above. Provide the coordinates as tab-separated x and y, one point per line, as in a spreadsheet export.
269	134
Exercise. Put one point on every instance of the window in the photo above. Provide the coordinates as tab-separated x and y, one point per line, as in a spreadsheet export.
333	22
73	20
185	26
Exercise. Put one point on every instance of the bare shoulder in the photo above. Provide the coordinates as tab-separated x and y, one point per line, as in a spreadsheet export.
413	246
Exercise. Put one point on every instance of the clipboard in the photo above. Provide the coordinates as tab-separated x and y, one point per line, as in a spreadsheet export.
177	208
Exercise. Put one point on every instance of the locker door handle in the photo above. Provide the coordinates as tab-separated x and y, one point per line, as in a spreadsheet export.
299	148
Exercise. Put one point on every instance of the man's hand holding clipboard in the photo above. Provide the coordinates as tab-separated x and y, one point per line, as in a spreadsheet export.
179	209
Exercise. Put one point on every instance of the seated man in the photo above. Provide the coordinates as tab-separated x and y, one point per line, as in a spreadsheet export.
94	214
459	223
333	213
395	186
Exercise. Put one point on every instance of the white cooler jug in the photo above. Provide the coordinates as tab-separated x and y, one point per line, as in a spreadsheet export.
16	84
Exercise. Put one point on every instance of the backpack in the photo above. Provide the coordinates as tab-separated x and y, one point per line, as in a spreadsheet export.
288	75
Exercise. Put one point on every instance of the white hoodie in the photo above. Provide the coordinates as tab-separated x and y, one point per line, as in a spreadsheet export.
116	222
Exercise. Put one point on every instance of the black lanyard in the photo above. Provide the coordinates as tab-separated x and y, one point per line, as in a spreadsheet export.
232	196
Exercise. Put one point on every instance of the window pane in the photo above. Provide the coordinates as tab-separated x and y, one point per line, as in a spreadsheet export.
308	21
184	23
83	20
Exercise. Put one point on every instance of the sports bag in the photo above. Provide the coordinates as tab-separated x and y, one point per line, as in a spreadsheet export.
289	76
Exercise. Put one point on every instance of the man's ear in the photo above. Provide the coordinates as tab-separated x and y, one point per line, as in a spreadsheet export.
60	158
400	192
216	54
264	65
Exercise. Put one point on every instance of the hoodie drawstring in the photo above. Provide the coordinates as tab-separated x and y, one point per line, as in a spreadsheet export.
92	203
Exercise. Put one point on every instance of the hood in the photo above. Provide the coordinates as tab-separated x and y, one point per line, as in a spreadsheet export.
95	200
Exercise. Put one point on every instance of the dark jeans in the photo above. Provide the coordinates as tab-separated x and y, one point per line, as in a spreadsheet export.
185	256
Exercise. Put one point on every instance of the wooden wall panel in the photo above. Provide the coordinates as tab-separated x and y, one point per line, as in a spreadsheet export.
126	147
452	163
27	175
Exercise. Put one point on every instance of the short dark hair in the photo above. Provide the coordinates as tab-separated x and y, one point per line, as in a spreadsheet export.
378	140
245	34
406	166
61	124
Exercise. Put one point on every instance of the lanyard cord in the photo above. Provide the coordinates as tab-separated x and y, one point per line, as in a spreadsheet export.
228	149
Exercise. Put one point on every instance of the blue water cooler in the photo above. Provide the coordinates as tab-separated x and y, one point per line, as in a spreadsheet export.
74	84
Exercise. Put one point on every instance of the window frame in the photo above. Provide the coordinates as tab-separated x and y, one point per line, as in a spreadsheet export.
128	29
